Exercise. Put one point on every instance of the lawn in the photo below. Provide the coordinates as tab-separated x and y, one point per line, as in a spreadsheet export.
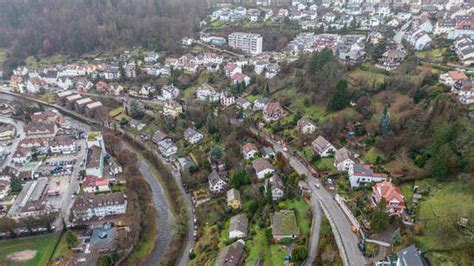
438	217
43	245
371	155
62	250
370	77
301	208
326	164
260	249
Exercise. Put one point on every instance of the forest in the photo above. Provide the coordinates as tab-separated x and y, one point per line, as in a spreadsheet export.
74	27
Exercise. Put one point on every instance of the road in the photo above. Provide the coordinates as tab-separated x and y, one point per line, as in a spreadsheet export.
315	229
343	226
19	126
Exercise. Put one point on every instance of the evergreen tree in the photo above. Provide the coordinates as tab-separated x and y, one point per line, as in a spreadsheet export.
379	217
135	110
339	97
385	122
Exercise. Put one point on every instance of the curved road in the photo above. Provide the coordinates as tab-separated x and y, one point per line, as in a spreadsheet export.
349	250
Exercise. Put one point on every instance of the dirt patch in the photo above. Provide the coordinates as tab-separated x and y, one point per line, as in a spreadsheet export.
22	256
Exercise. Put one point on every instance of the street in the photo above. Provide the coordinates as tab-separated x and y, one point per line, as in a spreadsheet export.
348	238
20	132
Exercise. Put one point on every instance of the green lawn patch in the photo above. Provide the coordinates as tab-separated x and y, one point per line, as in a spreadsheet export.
371	155
438	216
301	209
326	163
258	248
117	111
62	250
278	254
43	245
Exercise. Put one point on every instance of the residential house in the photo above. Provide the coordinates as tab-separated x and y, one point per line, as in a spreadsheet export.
151	57
361	174
206	92
306	126
391	195
233	199
167	148
35	84
259	104
238	226
323	147
343	159
392	58
102	86
231	255
238	78
227	98
411	256
275	184
115	89
243	103
283	224
192	135
172	108
268	153
169	92
451	77
231	69
273	112
465	90
418	38
216	183
249	150
81	105
262	168
94	184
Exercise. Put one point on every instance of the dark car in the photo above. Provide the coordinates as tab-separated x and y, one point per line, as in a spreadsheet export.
361	247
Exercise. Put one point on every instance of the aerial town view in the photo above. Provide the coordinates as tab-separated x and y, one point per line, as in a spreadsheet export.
237	132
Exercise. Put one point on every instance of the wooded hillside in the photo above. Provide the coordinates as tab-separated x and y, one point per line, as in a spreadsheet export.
31	27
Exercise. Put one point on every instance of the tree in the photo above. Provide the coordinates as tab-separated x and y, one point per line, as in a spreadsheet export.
71	239
240	178
216	153
135	109
339	97
299	253
385	127
379	217
395	239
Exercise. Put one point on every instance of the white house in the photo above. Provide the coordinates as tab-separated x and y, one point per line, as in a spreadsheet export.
238	226
249	150
216	183
169	92
306	126
323	147
227	98
343	160
192	135
167	147
361	174
450	77
206	92
275	184
262	168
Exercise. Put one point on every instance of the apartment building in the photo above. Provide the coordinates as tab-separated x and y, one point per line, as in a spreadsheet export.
247	42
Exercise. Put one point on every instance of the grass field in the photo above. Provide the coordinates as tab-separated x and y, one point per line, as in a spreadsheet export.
438	216
44	246
62	250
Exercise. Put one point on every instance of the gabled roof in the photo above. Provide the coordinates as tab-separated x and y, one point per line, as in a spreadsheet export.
261	164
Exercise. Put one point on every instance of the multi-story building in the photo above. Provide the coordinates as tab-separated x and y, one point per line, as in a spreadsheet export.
248	42
88	206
